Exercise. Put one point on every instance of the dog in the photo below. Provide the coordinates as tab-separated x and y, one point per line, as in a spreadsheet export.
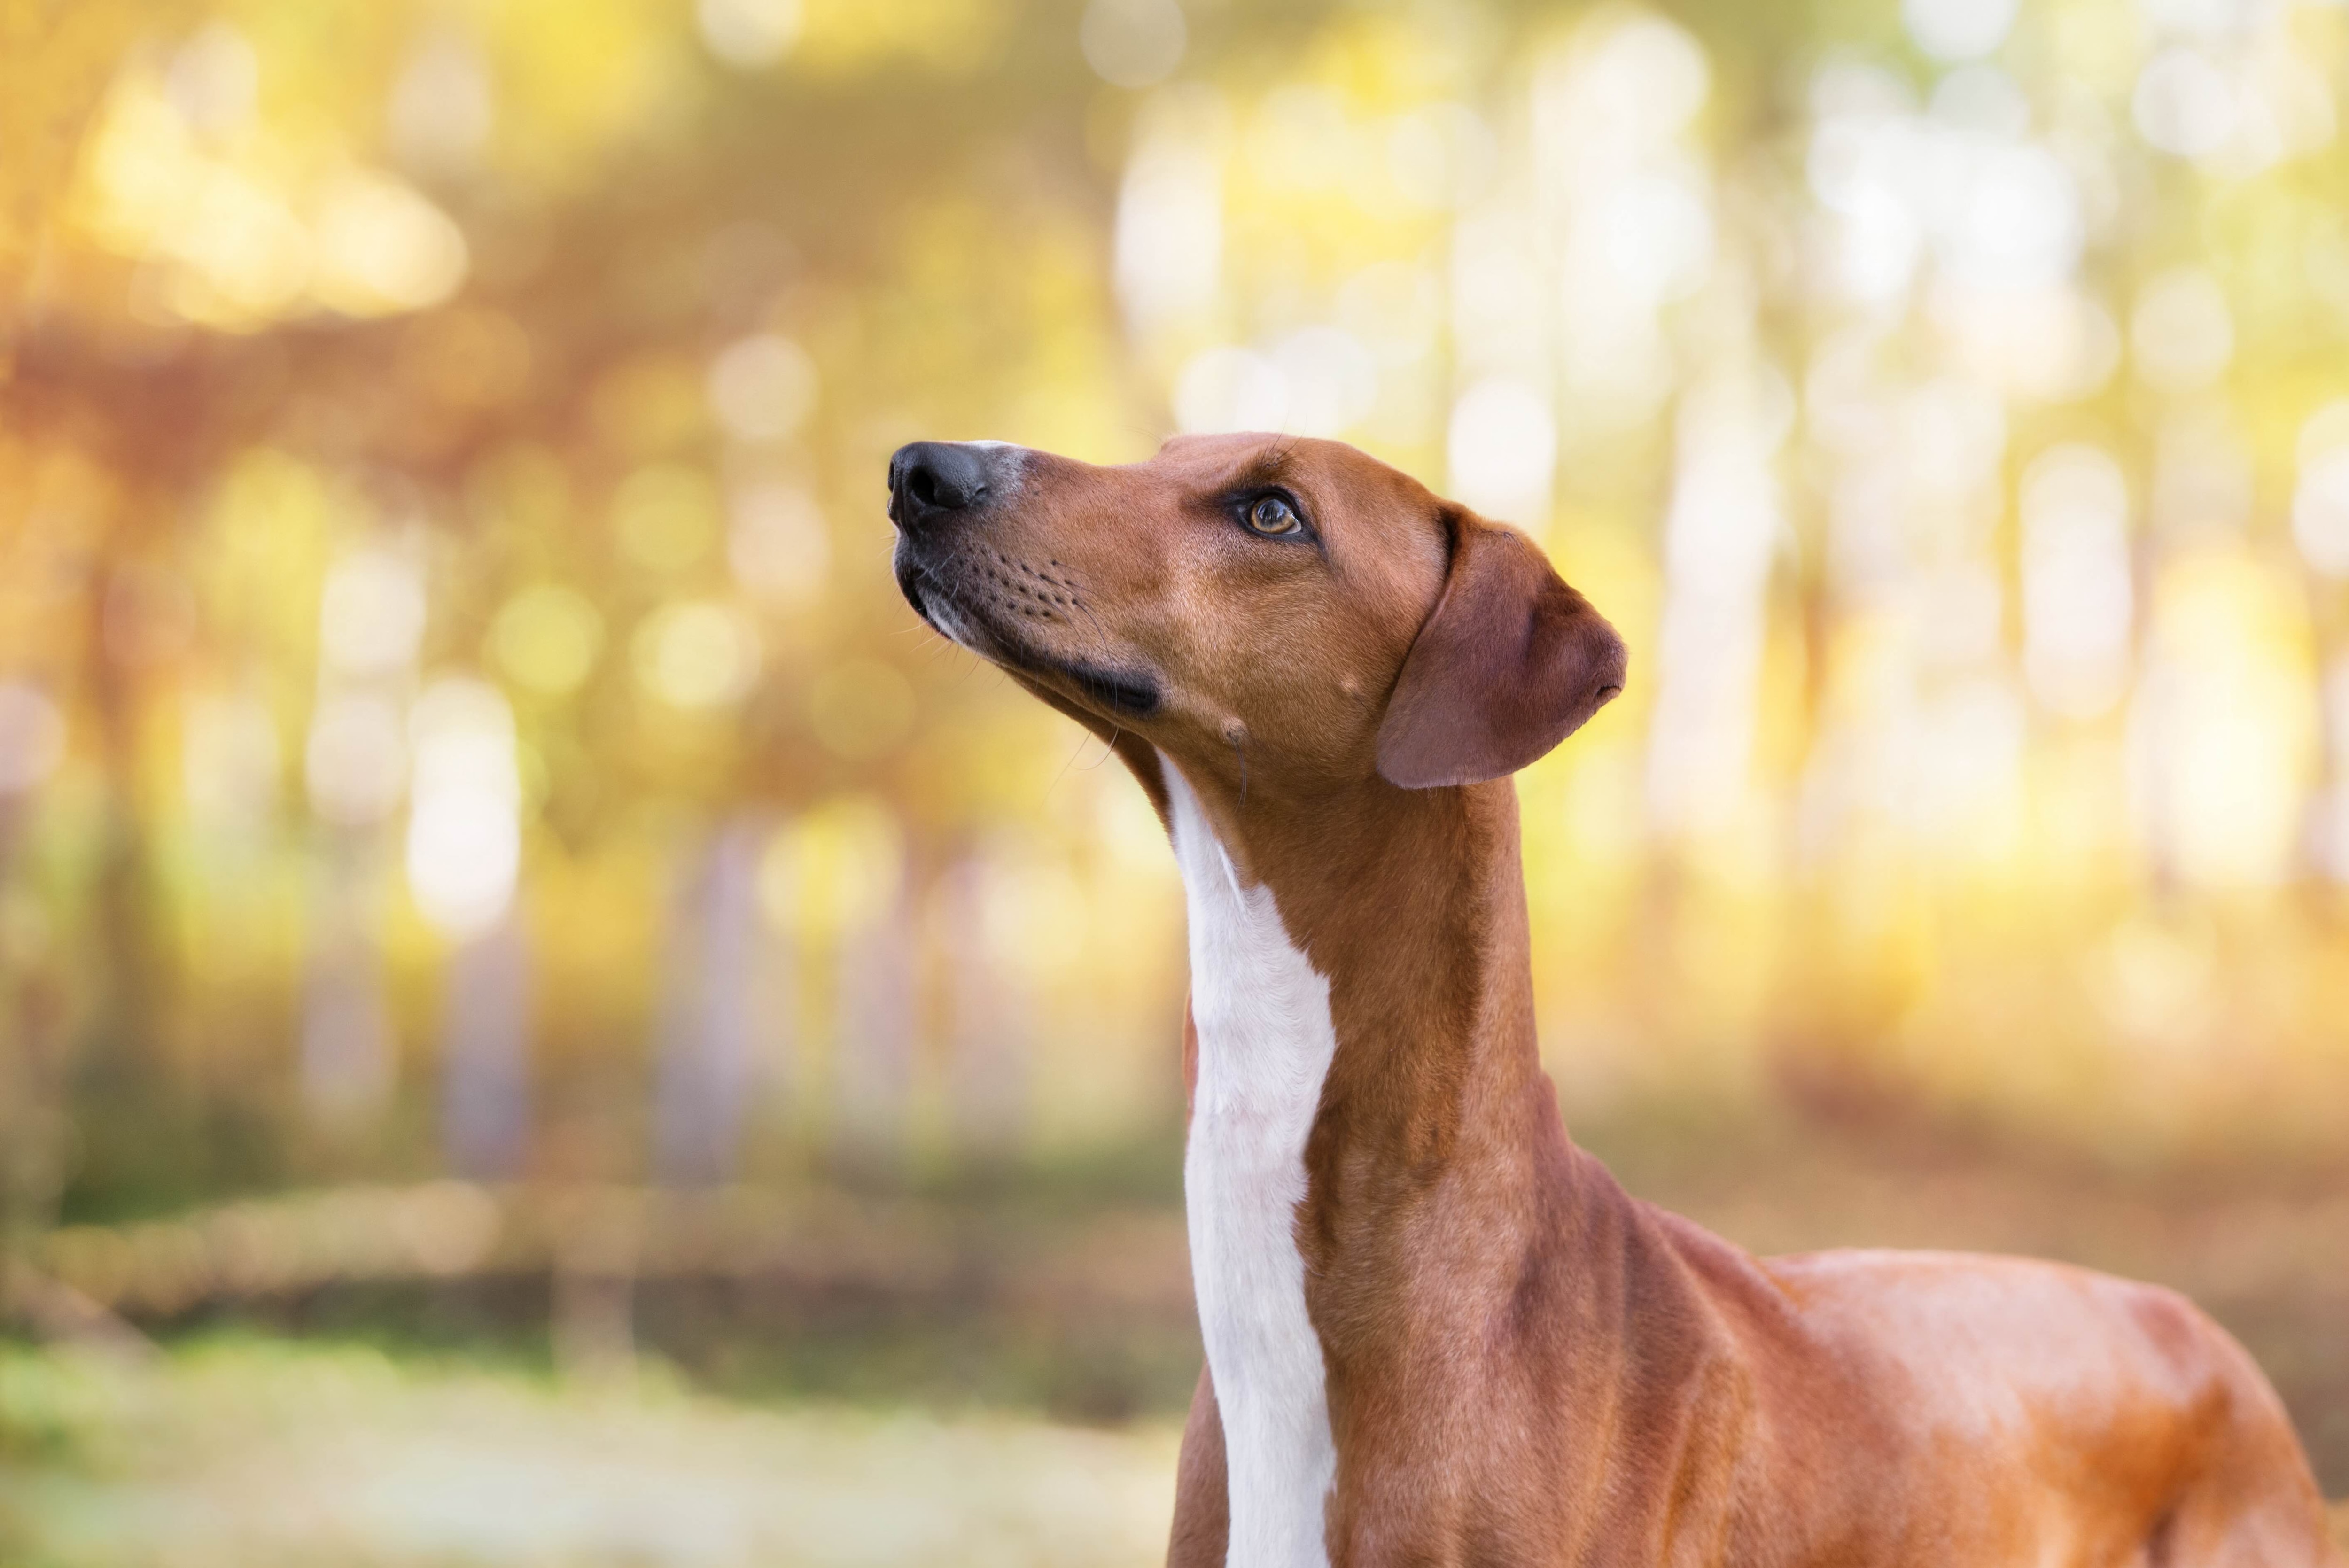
1436	1331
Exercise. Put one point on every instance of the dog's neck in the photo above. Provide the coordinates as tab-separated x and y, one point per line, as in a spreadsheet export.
1362	996
1411	905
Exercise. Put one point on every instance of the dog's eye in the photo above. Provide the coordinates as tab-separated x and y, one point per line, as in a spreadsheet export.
1272	514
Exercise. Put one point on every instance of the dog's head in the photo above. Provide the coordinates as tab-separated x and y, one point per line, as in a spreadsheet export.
1291	612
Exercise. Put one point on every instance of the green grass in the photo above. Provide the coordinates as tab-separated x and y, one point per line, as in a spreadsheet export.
242	1452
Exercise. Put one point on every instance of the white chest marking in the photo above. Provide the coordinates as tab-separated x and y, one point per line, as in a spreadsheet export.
1265	1044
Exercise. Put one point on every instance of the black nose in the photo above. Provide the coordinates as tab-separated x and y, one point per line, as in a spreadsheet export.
930	478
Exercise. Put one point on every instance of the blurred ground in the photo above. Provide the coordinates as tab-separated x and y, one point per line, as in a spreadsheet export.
246	1453
976	1379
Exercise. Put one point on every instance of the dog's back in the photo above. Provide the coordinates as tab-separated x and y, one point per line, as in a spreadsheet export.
2050	1414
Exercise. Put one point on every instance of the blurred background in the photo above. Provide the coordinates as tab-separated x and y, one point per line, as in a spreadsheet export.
543	1018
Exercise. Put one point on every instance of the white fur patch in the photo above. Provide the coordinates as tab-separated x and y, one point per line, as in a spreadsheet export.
1265	1044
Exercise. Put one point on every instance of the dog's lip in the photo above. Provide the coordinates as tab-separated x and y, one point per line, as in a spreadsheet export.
910	584
1126	693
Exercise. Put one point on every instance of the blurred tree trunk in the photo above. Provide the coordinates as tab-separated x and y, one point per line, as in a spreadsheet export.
2324	832
136	1151
715	1020
873	1040
989	1024
32	1122
485	1106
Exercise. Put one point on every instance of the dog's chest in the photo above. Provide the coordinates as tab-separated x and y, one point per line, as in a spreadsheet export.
1264	1046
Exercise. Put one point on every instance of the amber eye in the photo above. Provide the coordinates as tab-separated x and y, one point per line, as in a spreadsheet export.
1273	514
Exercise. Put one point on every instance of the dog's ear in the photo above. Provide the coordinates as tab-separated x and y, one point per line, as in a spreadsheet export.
1511	662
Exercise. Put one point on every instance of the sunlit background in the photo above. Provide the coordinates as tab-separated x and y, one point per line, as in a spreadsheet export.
514	942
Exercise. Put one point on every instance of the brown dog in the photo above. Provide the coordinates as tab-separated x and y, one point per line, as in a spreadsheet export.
1436	1331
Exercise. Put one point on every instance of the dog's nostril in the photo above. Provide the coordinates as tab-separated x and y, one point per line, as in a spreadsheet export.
930	477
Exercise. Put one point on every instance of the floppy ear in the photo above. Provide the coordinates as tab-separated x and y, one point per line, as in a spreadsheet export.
1511	662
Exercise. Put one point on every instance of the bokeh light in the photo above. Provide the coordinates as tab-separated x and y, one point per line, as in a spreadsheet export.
1939	398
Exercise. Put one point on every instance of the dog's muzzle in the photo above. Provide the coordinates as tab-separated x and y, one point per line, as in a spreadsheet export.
1014	614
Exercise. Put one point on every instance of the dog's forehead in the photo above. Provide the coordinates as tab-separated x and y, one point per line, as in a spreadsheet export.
1323	470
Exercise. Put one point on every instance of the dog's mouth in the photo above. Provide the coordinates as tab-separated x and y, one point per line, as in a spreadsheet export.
1126	693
